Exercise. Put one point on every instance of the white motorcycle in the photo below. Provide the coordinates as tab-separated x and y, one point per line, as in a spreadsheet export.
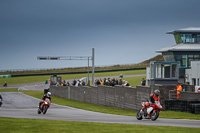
151	112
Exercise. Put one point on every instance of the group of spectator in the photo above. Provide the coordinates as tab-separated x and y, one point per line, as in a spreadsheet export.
78	83
111	82
105	81
74	83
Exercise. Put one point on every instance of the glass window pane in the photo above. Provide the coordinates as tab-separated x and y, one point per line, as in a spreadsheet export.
198	38
174	71
166	71
196	56
158	71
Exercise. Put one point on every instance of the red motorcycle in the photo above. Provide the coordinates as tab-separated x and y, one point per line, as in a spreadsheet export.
44	106
151	112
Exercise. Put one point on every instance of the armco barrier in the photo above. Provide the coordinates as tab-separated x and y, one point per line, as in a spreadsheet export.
5	76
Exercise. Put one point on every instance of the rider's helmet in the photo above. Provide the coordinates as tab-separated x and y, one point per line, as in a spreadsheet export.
48	94
157	92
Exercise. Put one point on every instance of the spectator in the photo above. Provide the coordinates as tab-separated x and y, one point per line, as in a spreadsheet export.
83	83
95	82
143	82
126	83
57	84
101	81
120	76
46	82
116	82
98	82
104	81
77	83
74	83
112	83
107	83
64	83
178	90
120	81
5	84
68	84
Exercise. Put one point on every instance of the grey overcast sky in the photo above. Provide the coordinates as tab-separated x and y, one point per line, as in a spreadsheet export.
121	31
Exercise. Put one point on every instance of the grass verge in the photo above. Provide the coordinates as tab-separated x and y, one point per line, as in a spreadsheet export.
33	79
55	126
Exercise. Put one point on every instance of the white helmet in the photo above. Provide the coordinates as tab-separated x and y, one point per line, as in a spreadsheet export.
48	94
157	92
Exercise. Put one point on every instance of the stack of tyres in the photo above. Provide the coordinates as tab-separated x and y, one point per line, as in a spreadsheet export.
176	105
190	105
195	108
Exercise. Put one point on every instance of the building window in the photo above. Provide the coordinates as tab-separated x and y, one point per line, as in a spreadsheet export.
165	71
182	60
198	38
188	38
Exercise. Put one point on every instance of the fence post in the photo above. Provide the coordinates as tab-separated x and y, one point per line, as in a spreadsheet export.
68	92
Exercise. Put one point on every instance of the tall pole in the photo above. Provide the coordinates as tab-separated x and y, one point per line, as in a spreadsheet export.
88	72
92	65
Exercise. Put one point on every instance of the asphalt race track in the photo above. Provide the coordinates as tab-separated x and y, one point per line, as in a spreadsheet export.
18	105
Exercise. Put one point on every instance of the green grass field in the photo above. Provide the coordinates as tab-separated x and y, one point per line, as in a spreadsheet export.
13	125
33	79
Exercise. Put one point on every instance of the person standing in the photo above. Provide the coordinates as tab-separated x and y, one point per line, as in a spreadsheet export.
143	82
178	90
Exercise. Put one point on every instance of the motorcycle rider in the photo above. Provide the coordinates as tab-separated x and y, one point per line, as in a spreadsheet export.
153	97
48	95
1	99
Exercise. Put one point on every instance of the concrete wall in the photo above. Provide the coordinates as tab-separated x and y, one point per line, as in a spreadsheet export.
118	96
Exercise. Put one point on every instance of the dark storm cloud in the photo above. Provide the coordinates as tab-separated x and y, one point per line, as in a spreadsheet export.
111	26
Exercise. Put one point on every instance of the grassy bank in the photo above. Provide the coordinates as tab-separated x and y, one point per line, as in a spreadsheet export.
33	79
13	125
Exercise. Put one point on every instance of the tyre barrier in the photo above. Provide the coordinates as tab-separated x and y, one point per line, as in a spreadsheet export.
183	106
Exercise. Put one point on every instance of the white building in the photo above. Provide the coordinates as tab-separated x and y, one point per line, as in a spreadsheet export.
192	75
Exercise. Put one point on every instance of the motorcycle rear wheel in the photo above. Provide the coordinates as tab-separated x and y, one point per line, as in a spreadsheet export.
155	115
139	116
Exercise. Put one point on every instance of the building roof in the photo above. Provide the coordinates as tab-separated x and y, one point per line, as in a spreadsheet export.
186	30
181	47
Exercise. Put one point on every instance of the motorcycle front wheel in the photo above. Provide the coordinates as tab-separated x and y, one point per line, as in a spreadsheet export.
155	115
45	109
39	112
139	116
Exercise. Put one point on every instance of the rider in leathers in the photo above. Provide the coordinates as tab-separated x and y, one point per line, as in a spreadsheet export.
48	95
1	99
153	97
